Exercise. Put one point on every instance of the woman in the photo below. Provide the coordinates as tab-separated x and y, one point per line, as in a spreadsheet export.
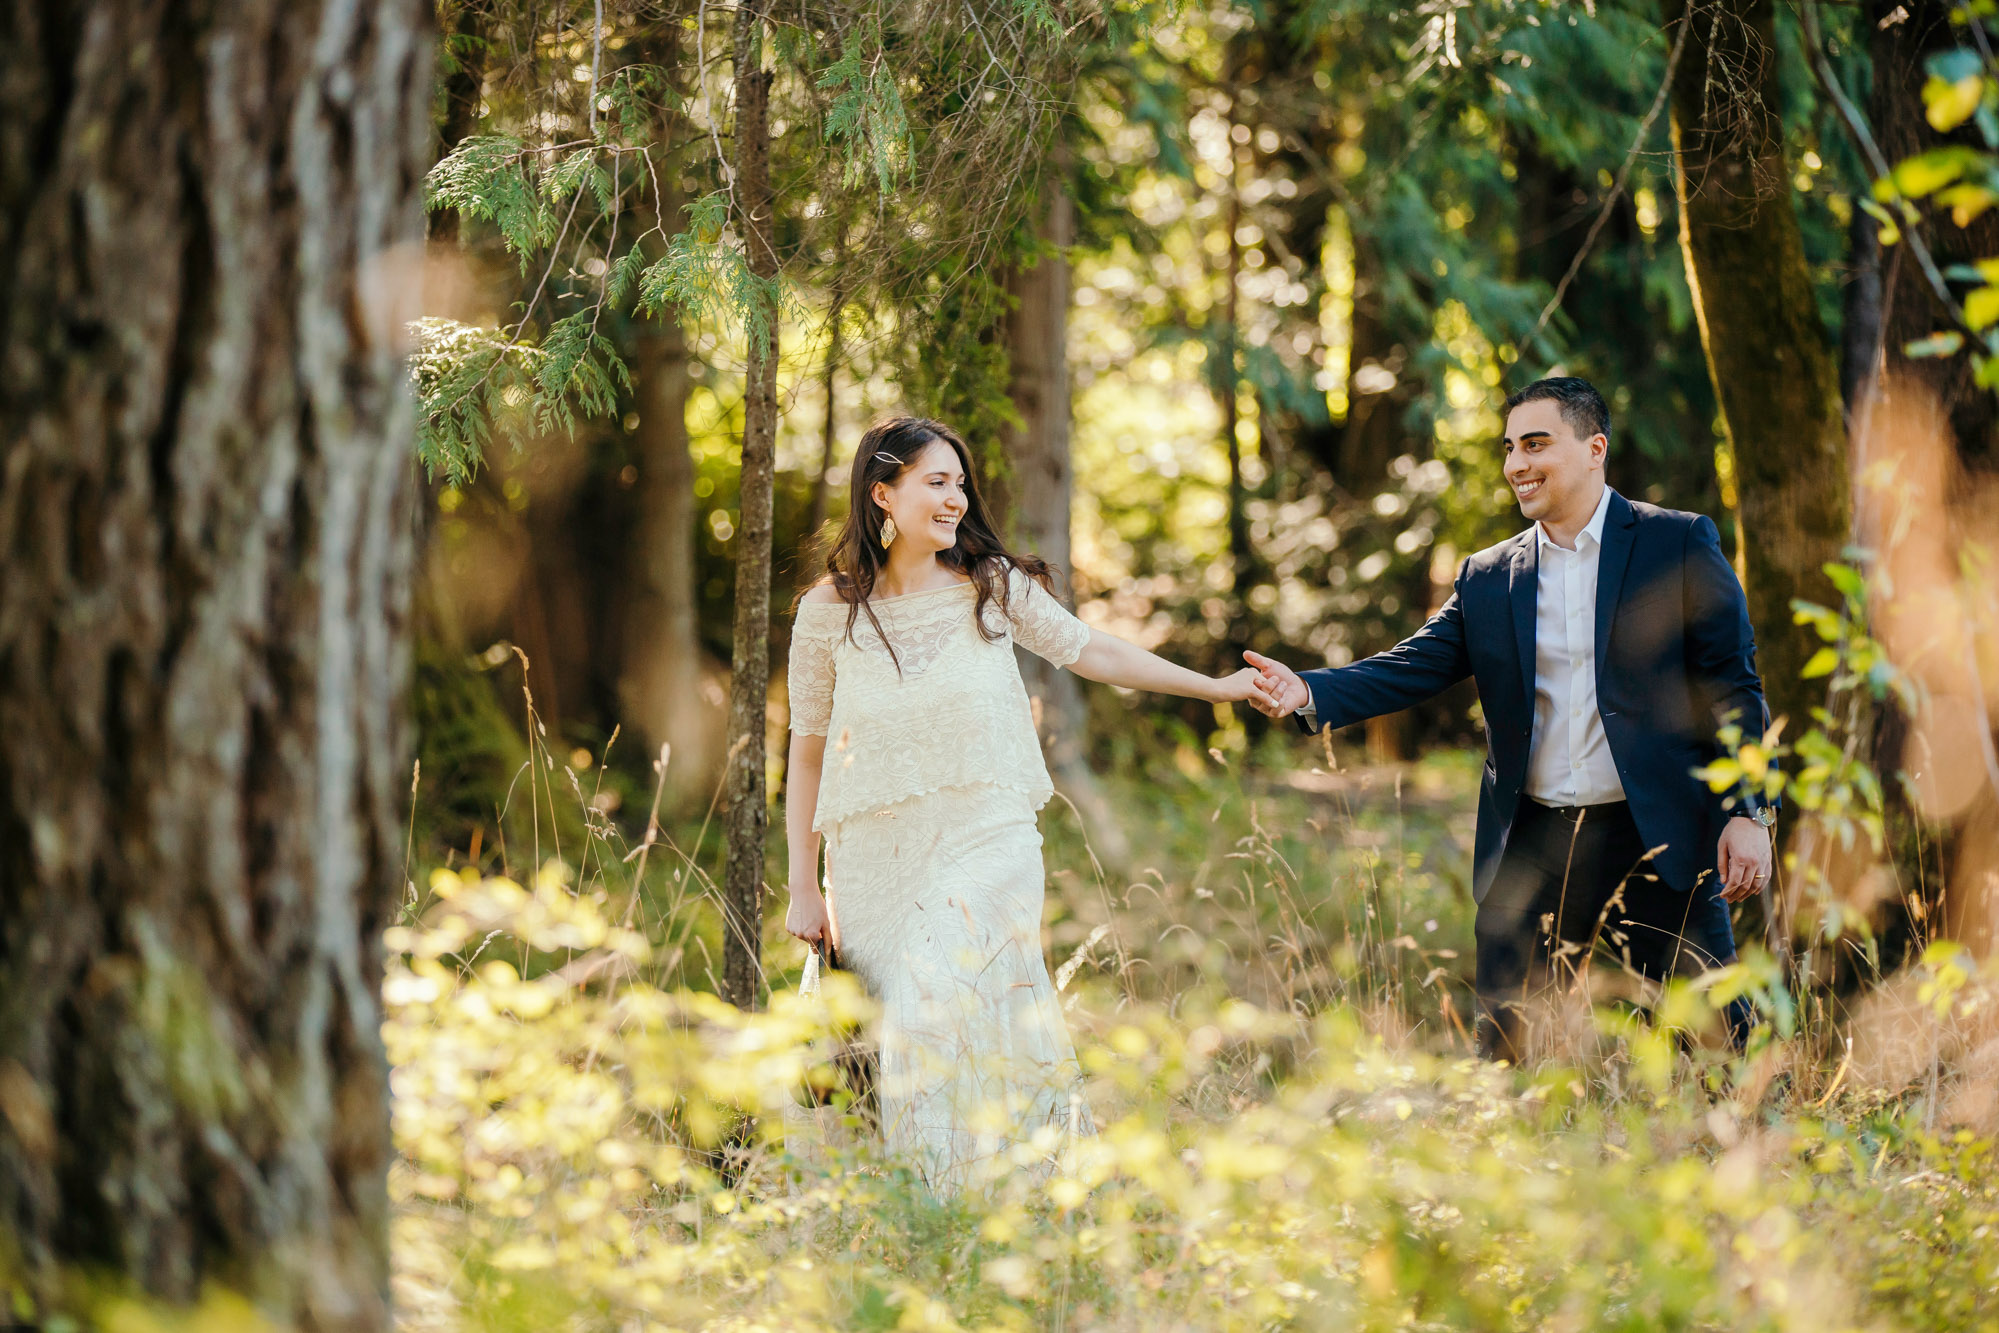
904	656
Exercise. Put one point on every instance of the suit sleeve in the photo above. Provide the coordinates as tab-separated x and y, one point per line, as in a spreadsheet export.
1425	664
1721	647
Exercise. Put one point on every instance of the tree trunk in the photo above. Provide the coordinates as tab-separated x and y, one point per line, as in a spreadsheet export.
1861	311
1042	490
749	686
1899	52
464	88
829	425
1773	368
1228	383
211	217
660	683
662	678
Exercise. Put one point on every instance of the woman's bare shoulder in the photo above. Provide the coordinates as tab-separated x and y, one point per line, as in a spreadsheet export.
821	593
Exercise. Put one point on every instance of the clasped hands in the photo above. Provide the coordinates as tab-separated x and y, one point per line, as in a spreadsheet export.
1743	858
1279	691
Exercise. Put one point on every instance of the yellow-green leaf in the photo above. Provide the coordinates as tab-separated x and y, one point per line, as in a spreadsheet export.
1981	307
1822	664
1965	203
1948	105
1926	173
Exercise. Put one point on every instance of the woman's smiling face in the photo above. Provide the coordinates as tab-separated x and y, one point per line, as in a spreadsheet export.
927	499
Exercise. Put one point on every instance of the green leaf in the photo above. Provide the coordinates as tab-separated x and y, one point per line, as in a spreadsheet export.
1946	342
1981	307
1824	662
1948	104
1891	231
1955	65
1850	581
1926	173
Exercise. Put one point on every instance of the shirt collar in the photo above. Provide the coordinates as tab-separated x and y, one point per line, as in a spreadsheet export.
1592	529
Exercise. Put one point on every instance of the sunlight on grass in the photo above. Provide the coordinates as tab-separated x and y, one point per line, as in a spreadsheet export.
581	1148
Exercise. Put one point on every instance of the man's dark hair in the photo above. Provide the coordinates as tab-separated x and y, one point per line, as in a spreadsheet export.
1581	405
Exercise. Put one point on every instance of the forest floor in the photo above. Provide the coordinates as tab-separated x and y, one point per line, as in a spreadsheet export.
1271	1003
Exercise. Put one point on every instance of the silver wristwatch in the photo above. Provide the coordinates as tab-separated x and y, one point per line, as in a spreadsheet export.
1762	814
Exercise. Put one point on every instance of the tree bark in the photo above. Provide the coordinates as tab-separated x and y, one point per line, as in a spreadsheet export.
829	425
211	218
1860	312
1227	381
747	815
662	678
464	88
1899	52
1772	365
1042	493
660	681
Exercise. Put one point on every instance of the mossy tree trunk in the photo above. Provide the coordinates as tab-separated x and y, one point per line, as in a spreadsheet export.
1774	369
747	816
211	219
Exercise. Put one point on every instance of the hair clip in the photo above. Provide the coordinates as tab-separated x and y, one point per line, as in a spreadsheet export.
883	453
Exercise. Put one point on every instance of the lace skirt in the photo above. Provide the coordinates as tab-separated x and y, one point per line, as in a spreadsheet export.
936	906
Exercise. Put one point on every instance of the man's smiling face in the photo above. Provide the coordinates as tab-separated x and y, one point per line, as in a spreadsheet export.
1553	471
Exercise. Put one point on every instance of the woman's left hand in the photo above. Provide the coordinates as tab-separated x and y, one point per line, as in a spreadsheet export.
1246	686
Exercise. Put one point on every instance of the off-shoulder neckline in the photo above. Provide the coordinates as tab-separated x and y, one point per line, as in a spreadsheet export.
837	604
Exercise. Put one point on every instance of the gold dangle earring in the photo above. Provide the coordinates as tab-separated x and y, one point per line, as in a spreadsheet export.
888	530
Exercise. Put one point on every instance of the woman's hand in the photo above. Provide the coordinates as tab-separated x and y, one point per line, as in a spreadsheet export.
1247	686
806	917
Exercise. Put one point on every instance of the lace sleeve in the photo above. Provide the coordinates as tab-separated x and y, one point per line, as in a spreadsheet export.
1043	625
809	677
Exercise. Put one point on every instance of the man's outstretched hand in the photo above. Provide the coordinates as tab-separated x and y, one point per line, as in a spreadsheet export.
1286	691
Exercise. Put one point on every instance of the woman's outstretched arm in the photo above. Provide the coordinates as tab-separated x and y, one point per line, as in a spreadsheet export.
1115	661
806	917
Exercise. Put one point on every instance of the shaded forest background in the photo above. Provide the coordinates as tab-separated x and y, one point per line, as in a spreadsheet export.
1226	296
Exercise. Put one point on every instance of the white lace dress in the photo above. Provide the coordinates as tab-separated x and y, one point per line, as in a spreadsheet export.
934	878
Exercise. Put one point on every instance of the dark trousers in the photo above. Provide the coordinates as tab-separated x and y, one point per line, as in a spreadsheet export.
1575	880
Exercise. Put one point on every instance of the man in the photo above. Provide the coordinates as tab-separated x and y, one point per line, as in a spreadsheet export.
1610	642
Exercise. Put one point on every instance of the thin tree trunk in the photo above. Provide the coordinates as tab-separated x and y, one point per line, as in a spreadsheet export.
1860	322
1042	491
749	687
205	544
660	682
1774	372
829	429
1227	382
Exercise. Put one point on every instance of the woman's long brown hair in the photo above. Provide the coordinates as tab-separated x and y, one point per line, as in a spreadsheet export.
856	557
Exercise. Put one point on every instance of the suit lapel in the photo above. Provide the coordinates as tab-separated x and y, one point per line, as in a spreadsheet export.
1618	523
1521	590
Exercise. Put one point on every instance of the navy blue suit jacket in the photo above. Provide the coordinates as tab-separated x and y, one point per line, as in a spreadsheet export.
1675	661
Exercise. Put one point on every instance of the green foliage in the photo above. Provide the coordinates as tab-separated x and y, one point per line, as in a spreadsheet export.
866	116
1961	179
487	178
703	274
471	382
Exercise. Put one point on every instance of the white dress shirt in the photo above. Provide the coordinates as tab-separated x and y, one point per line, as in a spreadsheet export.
1569	762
